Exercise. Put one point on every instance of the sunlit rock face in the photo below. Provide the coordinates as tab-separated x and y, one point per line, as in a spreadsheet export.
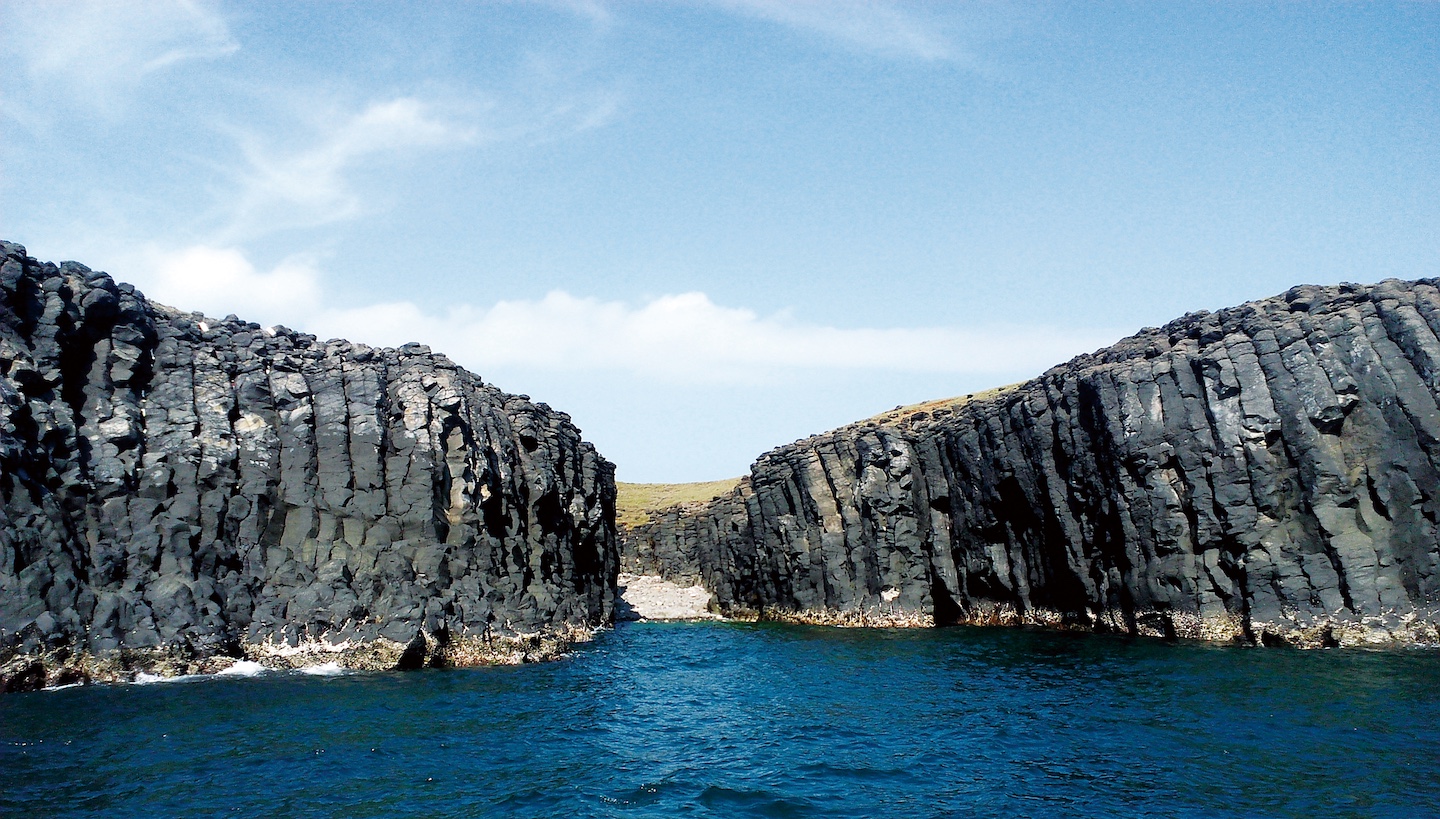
173	481
1264	473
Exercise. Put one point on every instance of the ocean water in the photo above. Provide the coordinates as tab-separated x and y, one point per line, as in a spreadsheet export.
737	720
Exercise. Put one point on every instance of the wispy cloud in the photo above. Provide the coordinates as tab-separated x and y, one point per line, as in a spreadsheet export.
306	181
595	11
285	188
871	25
286	173
96	50
684	338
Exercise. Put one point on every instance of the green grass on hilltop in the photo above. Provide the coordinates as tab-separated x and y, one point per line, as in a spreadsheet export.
634	502
901	413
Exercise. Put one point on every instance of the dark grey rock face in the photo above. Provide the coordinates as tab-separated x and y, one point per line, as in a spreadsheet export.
168	480
1268	472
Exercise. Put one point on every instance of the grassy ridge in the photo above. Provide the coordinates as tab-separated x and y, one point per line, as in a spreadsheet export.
900	413
635	501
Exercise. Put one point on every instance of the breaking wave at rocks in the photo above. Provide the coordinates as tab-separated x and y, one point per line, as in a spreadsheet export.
243	668
240	669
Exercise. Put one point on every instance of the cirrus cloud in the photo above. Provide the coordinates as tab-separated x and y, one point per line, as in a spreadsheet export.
96	49
309	186
870	25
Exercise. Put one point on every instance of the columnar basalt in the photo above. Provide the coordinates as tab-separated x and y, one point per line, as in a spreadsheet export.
177	485
1263	473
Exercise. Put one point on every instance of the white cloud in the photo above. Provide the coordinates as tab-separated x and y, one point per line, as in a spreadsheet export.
684	338
306	182
690	338
97	49
308	187
218	281
872	25
671	338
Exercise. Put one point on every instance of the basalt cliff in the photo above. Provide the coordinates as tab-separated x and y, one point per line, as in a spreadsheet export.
1268	473
177	490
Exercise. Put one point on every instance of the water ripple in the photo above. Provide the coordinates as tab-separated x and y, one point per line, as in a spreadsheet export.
732	720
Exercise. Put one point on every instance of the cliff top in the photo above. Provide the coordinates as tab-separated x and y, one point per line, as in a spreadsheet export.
910	412
635	502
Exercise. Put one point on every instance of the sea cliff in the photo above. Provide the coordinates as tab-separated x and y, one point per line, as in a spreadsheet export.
177	491
1264	474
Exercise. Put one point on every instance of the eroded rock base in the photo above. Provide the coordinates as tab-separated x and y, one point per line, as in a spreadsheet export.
68	666
878	617
1412	629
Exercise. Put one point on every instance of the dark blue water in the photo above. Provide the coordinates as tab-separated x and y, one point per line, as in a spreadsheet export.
733	720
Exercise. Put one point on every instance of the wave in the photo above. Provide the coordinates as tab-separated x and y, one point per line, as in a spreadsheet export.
325	670
146	678
62	687
243	668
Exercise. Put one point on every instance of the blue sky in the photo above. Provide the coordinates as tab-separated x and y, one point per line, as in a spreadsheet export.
708	228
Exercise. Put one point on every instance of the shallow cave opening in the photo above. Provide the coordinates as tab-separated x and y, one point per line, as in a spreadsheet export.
944	608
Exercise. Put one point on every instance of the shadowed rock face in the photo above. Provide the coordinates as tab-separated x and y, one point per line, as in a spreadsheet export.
1267	472
168	480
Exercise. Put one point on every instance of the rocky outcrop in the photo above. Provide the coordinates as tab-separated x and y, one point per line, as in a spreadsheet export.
177	485
1266	473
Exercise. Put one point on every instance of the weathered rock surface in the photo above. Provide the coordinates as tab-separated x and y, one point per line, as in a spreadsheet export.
1269	472
183	486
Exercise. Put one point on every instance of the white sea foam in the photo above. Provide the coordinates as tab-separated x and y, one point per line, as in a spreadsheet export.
324	670
243	668
149	679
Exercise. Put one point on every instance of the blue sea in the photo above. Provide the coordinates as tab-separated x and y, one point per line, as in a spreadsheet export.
738	720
